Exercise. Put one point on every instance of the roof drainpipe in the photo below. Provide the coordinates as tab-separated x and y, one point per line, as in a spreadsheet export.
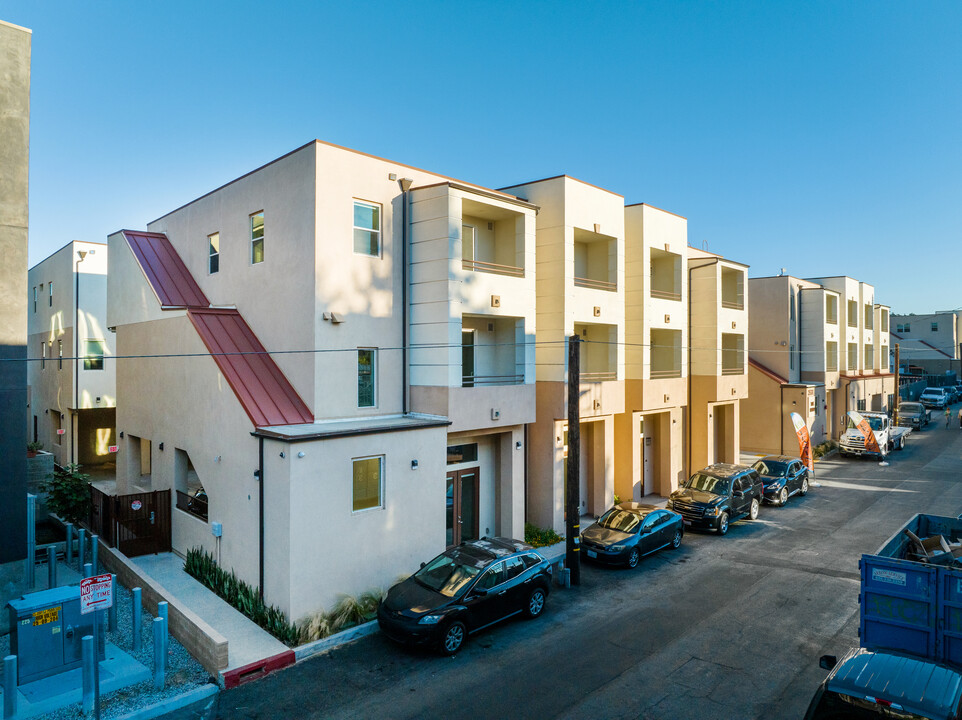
405	184
75	415
260	520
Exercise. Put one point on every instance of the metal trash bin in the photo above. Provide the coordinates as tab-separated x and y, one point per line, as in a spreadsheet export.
46	628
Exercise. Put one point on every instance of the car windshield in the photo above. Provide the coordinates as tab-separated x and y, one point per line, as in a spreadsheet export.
700	481
873	422
623	520
909	408
446	574
772	468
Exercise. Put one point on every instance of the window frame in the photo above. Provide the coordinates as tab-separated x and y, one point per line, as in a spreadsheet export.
213	255
43	354
89	359
261	239
378	230
935	327
50	294
373	377
35	298
60	354
381	500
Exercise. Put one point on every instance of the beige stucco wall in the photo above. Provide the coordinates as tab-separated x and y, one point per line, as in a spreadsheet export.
946	338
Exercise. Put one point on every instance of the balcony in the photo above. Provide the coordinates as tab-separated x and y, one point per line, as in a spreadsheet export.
599	352
831	310
492	240
665	352
665	278
490	354
732	288
596	262
733	354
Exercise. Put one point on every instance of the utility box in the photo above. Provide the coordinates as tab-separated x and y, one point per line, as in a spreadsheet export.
46	629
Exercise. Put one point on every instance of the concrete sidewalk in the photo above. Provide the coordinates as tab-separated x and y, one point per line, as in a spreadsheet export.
247	642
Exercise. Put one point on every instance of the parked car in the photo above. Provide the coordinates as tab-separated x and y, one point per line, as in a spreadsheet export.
912	414
782	476
463	590
715	496
629	531
934	397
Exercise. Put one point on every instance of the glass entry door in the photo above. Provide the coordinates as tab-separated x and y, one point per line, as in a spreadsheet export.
462	505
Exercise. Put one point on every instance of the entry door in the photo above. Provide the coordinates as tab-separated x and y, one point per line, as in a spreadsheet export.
462	505
648	482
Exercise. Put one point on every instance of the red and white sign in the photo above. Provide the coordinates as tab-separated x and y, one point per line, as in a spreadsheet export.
61	431
95	594
112	448
136	505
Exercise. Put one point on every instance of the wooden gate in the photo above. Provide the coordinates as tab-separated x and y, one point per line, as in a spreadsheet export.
135	524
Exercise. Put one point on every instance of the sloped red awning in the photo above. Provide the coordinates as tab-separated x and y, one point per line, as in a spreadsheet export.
165	270
265	393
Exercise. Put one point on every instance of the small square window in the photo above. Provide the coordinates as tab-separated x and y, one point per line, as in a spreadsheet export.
257	238
35	298
367	228
935	327
366	376
368	483
94	357
213	251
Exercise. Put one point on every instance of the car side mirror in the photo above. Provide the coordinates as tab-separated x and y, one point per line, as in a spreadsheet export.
827	662
645	530
738	493
479	592
423	564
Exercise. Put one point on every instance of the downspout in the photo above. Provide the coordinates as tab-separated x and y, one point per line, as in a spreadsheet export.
75	415
688	470
405	184
260	523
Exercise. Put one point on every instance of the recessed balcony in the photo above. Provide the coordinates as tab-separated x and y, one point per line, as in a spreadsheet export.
596	262
665	277
733	354
490	352
492	240
732	288
665	353
599	352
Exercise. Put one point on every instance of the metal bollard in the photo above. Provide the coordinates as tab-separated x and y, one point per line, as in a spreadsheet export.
9	686
93	553
31	540
82	547
135	609
160	656
68	555
88	570
162	613
112	610
51	566
162	610
88	654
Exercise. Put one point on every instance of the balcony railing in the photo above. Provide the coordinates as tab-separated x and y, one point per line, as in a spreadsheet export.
598	376
481	266
596	284
475	380
196	506
665	295
733	371
662	374
733	305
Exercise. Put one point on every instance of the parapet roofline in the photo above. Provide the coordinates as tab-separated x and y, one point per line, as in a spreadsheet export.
644	204
331	145
567	177
484	192
65	246
327	429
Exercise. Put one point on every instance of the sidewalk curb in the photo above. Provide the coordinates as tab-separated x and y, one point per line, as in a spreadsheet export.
179	702
309	650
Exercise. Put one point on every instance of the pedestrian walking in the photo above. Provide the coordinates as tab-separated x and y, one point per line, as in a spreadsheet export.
948	414
960	418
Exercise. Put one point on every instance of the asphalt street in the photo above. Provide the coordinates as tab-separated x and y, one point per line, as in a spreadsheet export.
725	627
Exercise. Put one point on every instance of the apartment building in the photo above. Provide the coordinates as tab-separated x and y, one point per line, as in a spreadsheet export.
71	376
718	371
930	341
580	289
814	350
338	321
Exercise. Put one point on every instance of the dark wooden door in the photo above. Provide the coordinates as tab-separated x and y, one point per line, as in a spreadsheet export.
463	487
142	522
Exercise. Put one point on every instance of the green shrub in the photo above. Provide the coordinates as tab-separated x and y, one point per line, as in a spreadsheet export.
69	493
348	612
202	566
539	537
34	447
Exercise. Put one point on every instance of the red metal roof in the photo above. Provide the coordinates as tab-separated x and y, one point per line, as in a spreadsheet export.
264	391
165	271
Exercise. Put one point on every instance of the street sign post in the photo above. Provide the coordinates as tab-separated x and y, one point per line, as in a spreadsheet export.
96	595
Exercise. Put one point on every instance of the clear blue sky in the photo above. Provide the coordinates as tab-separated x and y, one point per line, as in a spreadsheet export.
823	137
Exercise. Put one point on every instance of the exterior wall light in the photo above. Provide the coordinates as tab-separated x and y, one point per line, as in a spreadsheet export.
300	454
414	464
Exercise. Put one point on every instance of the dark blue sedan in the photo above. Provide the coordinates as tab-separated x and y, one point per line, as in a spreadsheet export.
629	531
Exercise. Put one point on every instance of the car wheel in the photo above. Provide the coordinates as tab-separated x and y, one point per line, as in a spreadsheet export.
535	604
676	540
902	443
753	510
804	488
633	557
723	524
453	638
782	497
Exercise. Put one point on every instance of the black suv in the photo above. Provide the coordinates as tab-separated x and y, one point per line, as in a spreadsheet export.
717	495
465	589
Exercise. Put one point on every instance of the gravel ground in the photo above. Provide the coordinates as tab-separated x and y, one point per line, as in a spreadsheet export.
183	672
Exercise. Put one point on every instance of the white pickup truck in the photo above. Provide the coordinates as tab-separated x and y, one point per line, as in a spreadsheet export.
889	437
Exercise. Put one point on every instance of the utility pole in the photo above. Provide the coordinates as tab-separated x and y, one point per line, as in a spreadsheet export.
573	476
897	395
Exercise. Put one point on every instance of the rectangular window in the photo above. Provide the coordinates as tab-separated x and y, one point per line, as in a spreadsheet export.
860	405
935	327
791	305
791	357
367	228
60	354
885	320
831	356
257	238
35	298
462	453
852	313
852	356
94	356
869	357
43	355
368	483
831	309
907	328
213	251
869	317
366	376
50	295
884	357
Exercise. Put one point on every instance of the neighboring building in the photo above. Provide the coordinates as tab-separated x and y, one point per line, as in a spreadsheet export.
931	342
718	298
15	144
72	403
814	350
580	291
337	439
